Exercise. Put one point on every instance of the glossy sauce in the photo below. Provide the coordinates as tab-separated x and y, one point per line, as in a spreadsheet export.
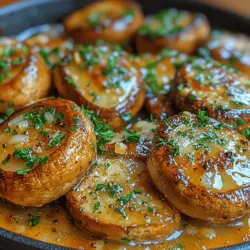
35	133
123	177
231	48
217	159
49	41
217	85
144	130
14	56
166	23
157	73
118	20
114	16
108	81
56	227
23	75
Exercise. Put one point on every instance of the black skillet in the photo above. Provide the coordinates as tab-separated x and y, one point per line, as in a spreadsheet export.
19	17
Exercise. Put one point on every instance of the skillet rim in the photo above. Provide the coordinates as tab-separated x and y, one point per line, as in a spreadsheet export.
8	237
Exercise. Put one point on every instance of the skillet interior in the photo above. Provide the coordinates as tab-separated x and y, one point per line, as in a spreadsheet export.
18	17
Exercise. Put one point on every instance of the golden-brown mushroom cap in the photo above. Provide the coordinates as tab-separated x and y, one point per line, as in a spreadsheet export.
231	48
51	44
102	79
219	89
117	201
23	75
175	29
45	150
43	34
202	167
113	21
157	73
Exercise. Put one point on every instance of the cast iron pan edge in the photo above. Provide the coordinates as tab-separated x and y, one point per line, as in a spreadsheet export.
18	17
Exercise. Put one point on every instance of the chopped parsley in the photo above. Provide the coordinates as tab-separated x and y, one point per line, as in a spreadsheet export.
160	142
26	155
10	111
93	19
238	103
151	79
96	207
126	198
193	97
190	157
111	65
127	117
23	171
129	14
56	56
17	61
219	126
132	136
239	122
72	82
35	220
59	118
204	52
37	119
8	51
6	160
4	65
152	118
57	138
167	24
179	246
111	188
174	148
7	130
103	131
14	132
77	121
203	118
92	93
126	241
180	87
185	121
150	210
44	133
107	165
101	187
42	160
246	133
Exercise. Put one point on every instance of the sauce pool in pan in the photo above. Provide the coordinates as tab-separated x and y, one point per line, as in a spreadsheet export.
56	227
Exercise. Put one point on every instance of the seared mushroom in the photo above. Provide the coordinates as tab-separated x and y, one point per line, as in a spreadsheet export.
116	200
202	167
113	21
219	89
43	34
45	150
102	79
172	28
231	48
158	72
51	44
23	75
